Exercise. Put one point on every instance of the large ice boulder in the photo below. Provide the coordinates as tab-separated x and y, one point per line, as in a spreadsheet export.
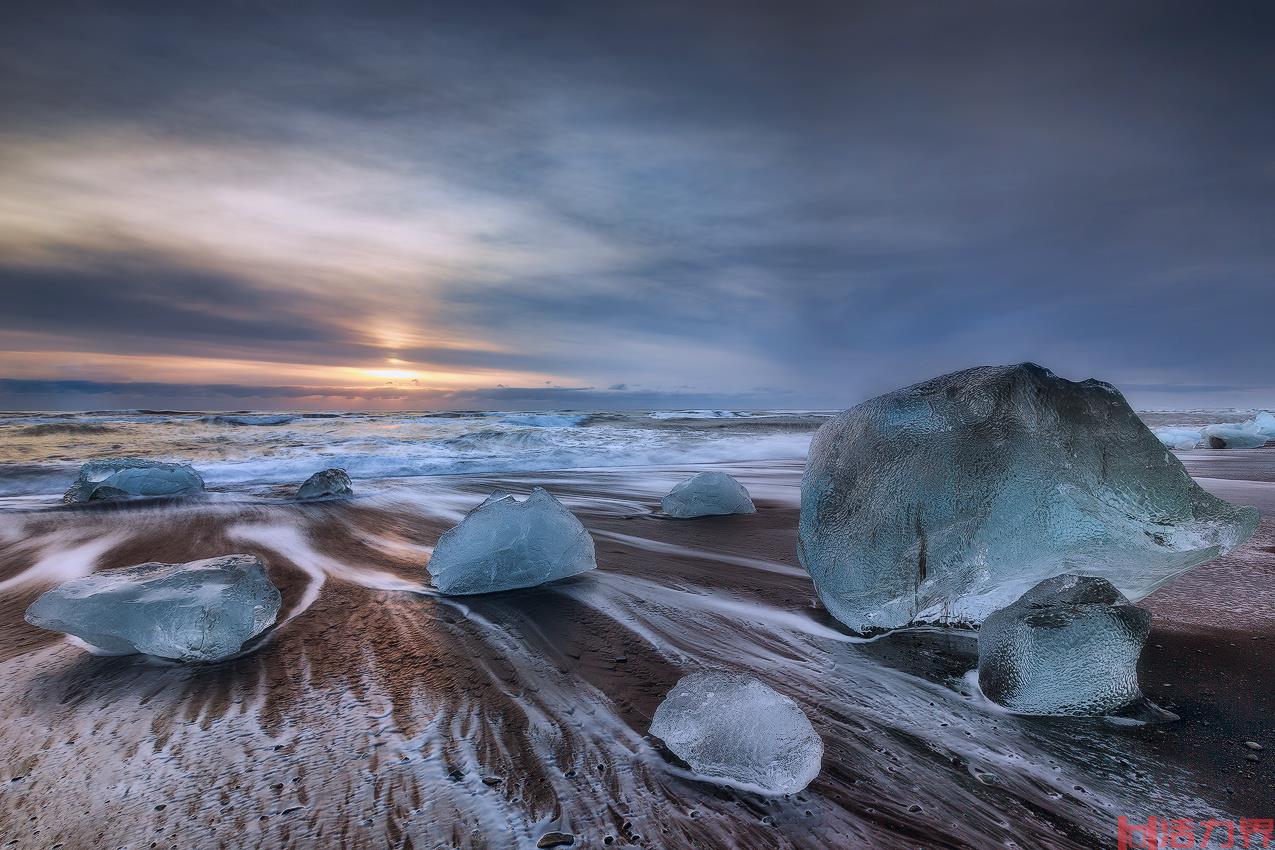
947	500
121	478
734	727
1068	646
327	484
505	544
707	494
200	611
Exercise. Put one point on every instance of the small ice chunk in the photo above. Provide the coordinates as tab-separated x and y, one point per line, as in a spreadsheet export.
120	478
1180	437
734	727
707	494
1068	646
944	501
505	544
199	611
328	484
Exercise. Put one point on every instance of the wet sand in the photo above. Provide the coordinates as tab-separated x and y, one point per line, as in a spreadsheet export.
378	714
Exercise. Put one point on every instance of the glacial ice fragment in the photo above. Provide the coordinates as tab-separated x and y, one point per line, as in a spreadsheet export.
1249	434
328	484
707	494
505	544
199	611
734	727
120	478
1180	437
1068	646
1234	436
944	501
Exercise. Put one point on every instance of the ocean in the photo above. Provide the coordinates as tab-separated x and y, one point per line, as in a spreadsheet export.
240	451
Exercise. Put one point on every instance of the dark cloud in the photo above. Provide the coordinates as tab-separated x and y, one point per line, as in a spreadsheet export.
829	198
148	302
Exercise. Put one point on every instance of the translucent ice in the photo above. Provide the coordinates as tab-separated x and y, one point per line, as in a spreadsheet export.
120	478
504	544
1249	434
1070	645
200	611
328	484
707	494
947	500
734	727
1243	435
1179	437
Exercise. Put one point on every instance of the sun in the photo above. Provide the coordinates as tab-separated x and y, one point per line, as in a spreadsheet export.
391	374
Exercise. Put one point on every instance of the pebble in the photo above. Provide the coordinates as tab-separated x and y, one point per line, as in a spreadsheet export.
1253	745
556	839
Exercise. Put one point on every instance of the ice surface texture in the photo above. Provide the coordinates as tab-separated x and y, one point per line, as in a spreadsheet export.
1070	645
200	611
947	500
504	544
328	484
120	478
734	727
707	494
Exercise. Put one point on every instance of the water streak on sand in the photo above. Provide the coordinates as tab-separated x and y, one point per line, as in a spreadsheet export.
662	548
62	556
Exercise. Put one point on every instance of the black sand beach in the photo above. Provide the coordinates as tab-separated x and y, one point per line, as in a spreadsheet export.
377	714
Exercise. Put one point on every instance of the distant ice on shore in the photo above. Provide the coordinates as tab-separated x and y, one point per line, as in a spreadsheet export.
1251	433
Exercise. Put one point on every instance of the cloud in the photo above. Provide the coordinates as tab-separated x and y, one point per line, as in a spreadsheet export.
828	199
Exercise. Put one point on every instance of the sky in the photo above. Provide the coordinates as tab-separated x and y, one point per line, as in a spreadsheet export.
538	205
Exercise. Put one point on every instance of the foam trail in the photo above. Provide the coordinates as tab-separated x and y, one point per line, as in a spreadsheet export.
61	561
